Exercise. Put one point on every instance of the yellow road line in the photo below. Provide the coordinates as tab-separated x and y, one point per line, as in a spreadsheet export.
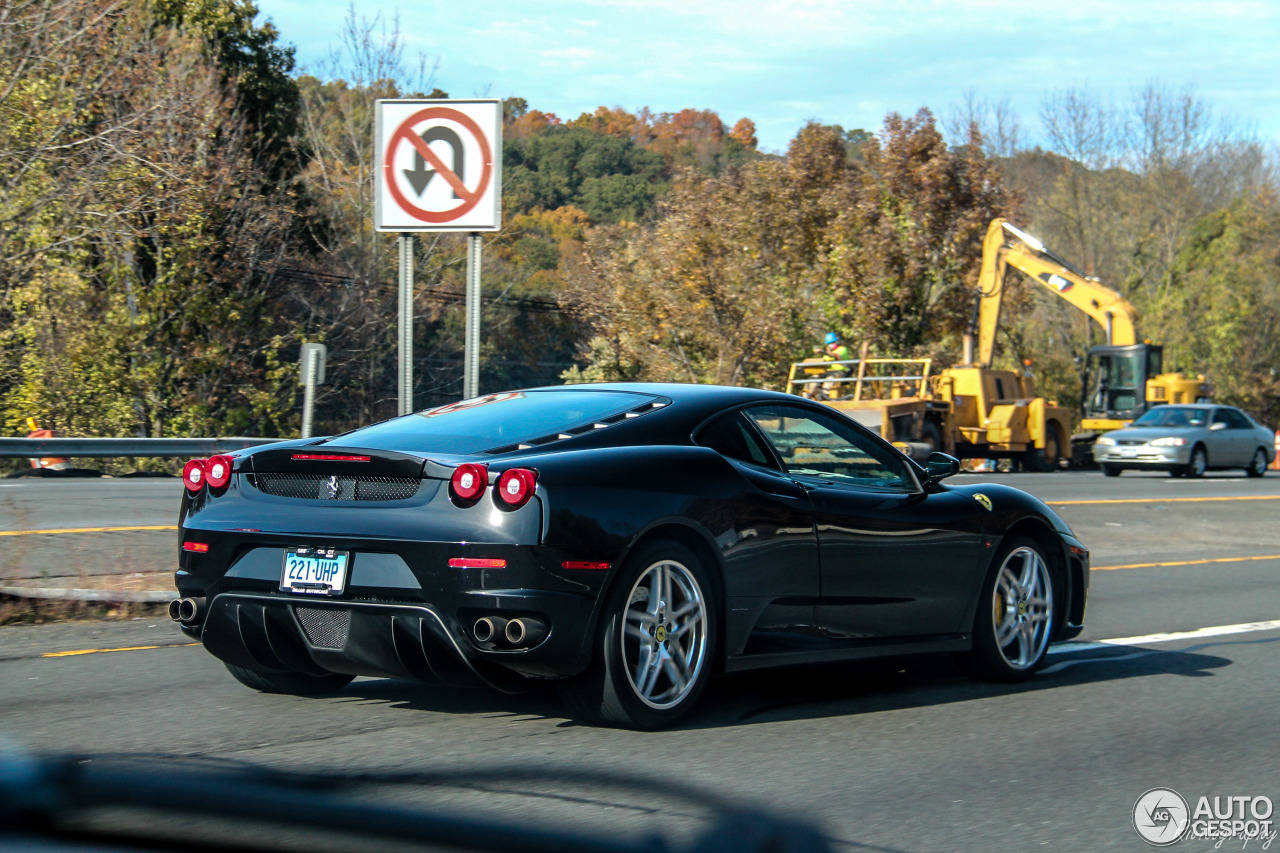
1186	563
100	651
88	530
1165	500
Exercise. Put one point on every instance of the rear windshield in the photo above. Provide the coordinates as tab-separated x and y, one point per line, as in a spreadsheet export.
492	421
1173	416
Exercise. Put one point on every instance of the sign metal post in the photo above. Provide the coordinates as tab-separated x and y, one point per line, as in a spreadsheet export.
471	357
406	324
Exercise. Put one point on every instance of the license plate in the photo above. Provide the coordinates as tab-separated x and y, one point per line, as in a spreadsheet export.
315	571
1128	451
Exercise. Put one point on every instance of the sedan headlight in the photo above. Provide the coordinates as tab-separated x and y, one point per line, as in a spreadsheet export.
1169	441
1106	441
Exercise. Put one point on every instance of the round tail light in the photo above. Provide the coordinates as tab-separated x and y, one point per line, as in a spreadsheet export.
193	475
516	486
217	471
469	481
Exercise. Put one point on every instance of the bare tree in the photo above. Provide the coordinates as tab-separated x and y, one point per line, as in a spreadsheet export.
346	294
995	120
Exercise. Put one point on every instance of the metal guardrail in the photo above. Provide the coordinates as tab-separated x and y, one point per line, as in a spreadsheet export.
35	448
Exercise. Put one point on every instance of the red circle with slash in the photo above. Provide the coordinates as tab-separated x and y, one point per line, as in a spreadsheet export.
404	133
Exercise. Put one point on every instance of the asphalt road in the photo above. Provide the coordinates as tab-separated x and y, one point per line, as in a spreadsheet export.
907	756
106	533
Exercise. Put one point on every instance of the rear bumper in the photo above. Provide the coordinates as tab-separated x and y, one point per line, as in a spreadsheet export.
403	614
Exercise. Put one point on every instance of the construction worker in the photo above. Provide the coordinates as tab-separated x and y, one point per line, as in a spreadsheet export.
835	351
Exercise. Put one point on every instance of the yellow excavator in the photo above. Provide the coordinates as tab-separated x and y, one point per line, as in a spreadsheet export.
1123	377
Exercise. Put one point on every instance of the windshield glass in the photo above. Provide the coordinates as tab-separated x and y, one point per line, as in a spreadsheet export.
1118	383
1173	416
494	420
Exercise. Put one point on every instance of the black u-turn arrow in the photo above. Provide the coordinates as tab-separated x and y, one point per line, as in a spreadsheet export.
419	176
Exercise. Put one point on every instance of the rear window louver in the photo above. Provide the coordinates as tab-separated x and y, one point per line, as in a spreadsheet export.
603	423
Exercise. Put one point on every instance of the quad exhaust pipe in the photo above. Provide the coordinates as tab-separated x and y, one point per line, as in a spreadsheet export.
188	611
521	632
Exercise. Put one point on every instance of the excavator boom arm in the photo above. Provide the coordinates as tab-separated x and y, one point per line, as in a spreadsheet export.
1028	255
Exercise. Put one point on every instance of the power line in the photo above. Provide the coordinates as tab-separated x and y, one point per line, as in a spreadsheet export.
323	279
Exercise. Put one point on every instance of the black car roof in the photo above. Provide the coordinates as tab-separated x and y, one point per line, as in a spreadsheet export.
678	409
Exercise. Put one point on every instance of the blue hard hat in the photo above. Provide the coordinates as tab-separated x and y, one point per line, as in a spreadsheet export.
832	337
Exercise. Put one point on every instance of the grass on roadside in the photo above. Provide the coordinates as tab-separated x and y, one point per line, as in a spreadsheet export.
38	611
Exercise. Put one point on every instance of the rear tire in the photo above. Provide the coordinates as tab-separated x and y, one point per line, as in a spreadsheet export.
655	646
1042	460
293	683
1110	470
1258	465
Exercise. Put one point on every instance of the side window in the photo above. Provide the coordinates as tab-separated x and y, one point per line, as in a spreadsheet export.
1237	420
731	437
1220	417
821	448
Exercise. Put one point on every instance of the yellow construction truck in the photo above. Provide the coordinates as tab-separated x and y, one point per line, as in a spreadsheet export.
968	411
974	411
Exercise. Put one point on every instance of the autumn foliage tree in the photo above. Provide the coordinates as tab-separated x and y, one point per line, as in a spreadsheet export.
907	247
140	204
714	292
741	271
1222	308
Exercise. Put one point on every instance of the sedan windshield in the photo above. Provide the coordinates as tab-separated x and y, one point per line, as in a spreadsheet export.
494	420
1173	416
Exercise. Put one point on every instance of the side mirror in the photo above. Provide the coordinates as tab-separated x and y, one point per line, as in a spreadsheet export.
1217	425
940	466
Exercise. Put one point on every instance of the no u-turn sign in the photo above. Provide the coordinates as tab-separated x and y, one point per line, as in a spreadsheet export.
438	165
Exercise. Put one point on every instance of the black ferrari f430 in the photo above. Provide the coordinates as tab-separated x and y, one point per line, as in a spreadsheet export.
627	541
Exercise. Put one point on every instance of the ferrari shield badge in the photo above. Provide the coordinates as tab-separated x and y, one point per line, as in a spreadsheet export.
984	500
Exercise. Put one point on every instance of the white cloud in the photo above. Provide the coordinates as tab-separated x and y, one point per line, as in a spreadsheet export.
581	53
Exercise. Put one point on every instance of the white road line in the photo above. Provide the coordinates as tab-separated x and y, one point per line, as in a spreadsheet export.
1173	637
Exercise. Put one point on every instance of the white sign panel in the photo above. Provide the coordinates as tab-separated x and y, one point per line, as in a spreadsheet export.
438	165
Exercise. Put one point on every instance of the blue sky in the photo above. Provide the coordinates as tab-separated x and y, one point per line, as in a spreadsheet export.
847	62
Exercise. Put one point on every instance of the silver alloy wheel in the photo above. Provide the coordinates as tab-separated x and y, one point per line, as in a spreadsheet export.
664	634
1259	465
1022	608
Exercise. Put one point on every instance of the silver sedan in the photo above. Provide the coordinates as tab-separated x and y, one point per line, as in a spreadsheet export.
1186	441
